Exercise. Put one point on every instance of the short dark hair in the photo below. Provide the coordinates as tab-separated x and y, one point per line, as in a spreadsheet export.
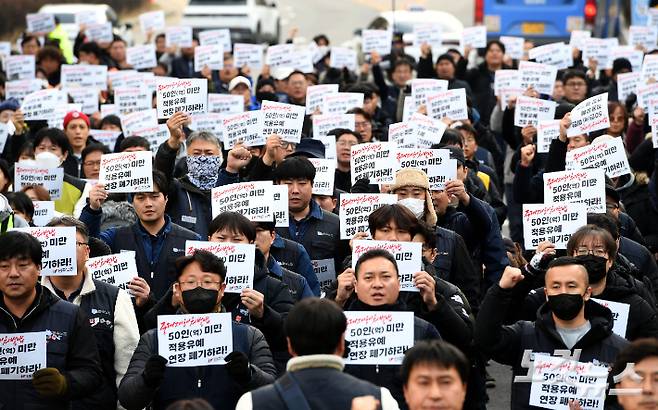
20	202
375	253
606	222
315	326
66	220
160	180
21	245
568	261
55	136
337	132
269	226
29	37
111	120
360	111
572	73
234	222
495	43
451	137
400	62
134	141
434	353
91	47
321	37
596	231
93	147
297	167
427	232
401	215
208	261
49	52
635	352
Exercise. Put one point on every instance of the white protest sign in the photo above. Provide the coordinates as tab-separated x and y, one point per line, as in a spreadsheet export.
644	36
109	109
340	103
507	83
583	186
475	37
85	18
131	99
325	270
128	172
239	260
402	134
123	78
409	107
605	152
6	129
646	93
343	57
547	131
42	104
653	122
578	37
552	222
280	205
627	84
42	23
620	313
354	210
315	94
211	122
152	21
631	54
195	340
246	127
105	137
251	199
187	95
428	33
94	76
513	47
249	55
649	68
21	67
44	211
374	161
23	354
323	184
599	49
178	36
555	54
303	60
378	337
436	163
280	55
58	249
408	256
529	111
378	41
87	97
422	87
427	131
100	32
589	116
138	120
117	269
217	37
19	89
50	178
285	120
440	171
225	103
557	380
156	136
329	142
322	124
448	104
208	56
141	57
539	76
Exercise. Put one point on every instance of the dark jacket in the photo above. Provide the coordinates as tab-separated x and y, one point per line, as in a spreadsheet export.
389	94
481	81
296	283
293	256
506	344
642	260
71	348
426	69
212	383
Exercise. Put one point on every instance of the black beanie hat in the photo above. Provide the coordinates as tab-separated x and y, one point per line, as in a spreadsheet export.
621	64
446	56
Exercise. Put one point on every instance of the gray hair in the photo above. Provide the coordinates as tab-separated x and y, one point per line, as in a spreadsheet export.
203	136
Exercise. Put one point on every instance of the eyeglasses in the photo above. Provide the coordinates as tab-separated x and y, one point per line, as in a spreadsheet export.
288	145
205	284
346	143
81	243
576	84
596	252
92	164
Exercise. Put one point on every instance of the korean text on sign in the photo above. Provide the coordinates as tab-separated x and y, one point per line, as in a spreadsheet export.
378	337
238	259
117	269
355	210
554	223
251	199
583	186
408	256
127	172
58	248
22	354
373	161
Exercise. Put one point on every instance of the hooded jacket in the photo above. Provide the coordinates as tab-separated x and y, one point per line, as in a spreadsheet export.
506	344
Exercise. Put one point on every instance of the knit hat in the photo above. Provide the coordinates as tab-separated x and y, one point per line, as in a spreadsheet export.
10	104
446	57
74	115
416	178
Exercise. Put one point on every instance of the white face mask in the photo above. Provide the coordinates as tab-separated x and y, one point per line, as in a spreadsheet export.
415	205
47	160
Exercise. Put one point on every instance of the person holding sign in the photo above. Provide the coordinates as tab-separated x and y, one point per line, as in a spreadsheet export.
73	366
199	287
481	79
316	341
110	312
444	69
575	86
392	96
568	320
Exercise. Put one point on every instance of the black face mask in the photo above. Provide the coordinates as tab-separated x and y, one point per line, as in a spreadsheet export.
199	300
565	305
595	266
265	96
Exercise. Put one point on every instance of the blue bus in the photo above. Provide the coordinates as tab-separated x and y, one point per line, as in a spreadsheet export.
545	21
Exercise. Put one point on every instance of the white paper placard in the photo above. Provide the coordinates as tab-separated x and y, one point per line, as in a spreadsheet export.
152	21
141	57
354	210
315	95
554	223
19	89
94	76
649	68
448	104
589	116
105	137
42	104
605	152
378	338
631	54
428	33
280	55
186	95
128	172
422	87
109	109
343	57
620	312
100	33
427	131
245	127
134	121
547	131
402	134
578	37
20	67
555	54
475	37
378	41
285	120
340	103
248	55
507	84
195	340
627	84
44	211
539	76
239	260
325	270
178	36
513	47
322	124
530	111
40	23
408	256
582	186
23	354
251	199
225	103
117	269
132	99
436	163
644	36
280	207
50	178
646	93
217	37
374	161
208	56
600	49
211	122
85	18
58	247
323	184
87	97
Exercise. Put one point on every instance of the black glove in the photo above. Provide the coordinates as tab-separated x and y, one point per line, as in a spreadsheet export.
237	365
154	371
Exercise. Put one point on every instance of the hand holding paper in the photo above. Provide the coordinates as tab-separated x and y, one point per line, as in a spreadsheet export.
426	284
254	301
